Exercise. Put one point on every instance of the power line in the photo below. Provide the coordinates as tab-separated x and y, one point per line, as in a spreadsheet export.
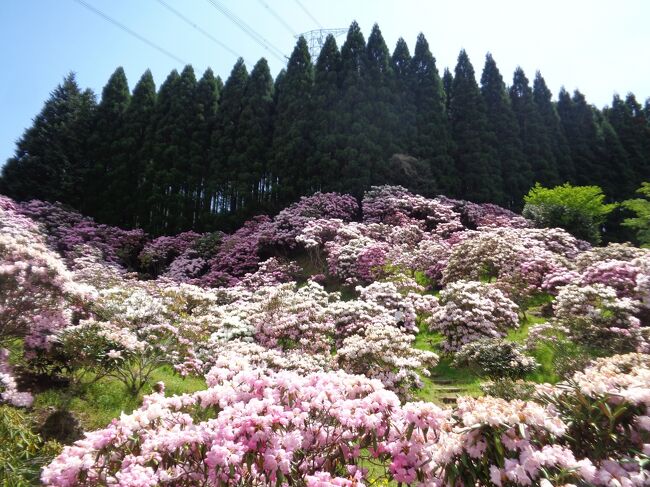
202	31
304	9
277	17
129	31
248	30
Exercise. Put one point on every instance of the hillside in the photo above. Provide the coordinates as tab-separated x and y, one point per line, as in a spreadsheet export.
404	340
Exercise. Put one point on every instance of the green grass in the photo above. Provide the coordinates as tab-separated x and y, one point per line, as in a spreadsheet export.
96	405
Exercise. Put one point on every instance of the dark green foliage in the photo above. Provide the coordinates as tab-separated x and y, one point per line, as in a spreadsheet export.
580	130
403	97
207	101
475	157
293	144
253	140
132	183
533	132
107	150
551	122
224	139
629	122
505	139
326	125
432	142
52	157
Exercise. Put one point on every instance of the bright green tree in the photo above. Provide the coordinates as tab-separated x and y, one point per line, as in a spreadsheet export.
641	207
580	210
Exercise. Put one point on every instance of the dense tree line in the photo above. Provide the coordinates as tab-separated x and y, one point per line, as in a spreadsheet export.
199	153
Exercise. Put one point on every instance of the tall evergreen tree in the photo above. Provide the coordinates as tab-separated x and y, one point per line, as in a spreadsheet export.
163	154
253	139
515	169
378	105
475	158
617	176
207	100
107	150
131	188
51	156
357	155
224	139
327	159
628	120
534	137
581	132
432	140
551	121
403	97
293	141
447	82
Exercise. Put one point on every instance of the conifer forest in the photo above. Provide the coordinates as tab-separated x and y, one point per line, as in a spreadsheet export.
200	154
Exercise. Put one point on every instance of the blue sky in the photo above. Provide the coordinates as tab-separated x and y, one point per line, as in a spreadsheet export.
598	46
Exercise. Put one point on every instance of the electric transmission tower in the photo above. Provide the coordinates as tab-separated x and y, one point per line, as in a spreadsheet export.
316	38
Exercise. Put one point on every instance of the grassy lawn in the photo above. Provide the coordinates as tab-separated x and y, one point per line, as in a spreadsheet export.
96	405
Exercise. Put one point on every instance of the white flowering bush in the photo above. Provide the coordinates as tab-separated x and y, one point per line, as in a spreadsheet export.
471	310
495	358
387	354
594	316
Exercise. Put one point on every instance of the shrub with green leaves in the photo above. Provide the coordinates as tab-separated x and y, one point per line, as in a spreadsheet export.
22	452
580	210
495	358
641	222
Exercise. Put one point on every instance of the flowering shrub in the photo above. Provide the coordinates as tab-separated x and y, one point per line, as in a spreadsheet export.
471	310
291	221
156	256
268	428
67	229
237	256
397	206
387	354
37	293
495	358
596	317
607	410
498	442
106	349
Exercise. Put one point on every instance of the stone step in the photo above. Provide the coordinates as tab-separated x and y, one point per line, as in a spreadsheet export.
442	381
457	390
447	399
